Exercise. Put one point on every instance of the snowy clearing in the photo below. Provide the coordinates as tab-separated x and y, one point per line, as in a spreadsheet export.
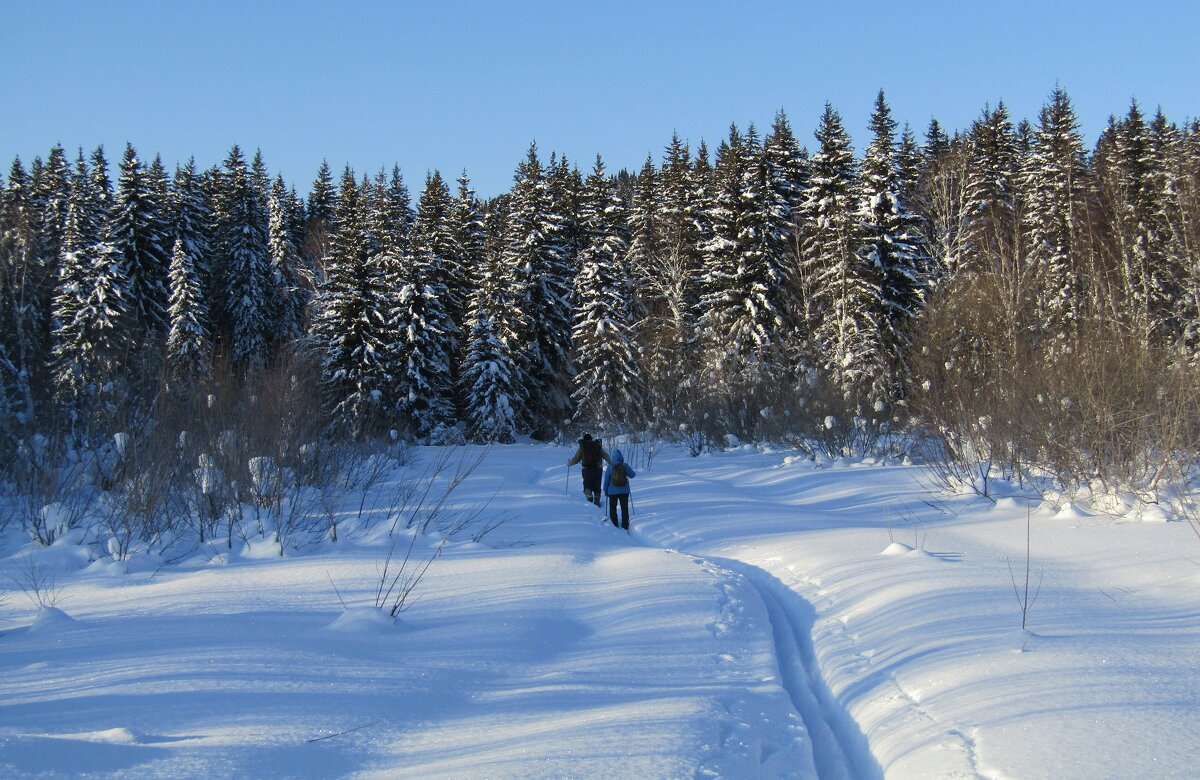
766	618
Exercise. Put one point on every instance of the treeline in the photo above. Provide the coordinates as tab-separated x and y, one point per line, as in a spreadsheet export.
1030	303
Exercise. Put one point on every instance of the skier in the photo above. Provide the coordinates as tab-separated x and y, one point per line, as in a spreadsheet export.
616	487
590	453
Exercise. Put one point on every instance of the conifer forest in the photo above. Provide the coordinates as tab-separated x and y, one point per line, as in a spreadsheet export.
1001	298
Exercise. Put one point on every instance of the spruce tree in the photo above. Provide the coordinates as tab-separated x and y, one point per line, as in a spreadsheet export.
435	233
189	346
534	253
102	190
350	324
470	247
290	281
491	378
993	193
72	295
470	230
95	339
743	314
646	254
667	330
22	320
1054	183
422	331
941	200
908	164
244	264
192	226
322	201
52	190
843	291
608	383
1147	277
888	235
785	167
136	232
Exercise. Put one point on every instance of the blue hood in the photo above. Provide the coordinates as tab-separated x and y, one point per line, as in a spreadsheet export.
617	457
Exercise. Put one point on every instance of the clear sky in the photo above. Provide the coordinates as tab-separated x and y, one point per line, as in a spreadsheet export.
451	84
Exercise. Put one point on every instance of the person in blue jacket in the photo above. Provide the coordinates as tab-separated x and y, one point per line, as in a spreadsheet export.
616	487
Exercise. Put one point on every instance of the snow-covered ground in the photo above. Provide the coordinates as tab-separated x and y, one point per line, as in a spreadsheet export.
767	617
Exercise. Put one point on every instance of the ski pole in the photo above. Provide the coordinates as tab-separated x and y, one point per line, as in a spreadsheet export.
568	480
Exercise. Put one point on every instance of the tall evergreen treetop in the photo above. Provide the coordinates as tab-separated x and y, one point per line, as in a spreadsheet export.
136	231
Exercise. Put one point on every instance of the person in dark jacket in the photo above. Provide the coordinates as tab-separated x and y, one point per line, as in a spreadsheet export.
616	487
591	454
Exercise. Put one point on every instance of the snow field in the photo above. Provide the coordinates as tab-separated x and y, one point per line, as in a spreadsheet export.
563	649
924	649
768	617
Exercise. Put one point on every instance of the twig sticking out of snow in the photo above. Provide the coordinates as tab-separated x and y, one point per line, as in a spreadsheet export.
347	731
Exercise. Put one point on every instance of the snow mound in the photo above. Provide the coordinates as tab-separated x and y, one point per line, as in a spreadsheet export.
51	619
1071	511
896	548
107	567
117	736
1153	514
364	620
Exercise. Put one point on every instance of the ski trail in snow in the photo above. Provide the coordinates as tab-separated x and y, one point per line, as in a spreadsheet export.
839	748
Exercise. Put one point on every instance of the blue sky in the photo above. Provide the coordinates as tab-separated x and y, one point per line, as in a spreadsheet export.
451	84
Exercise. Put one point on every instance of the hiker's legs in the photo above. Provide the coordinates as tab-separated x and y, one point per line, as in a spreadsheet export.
613	502
591	484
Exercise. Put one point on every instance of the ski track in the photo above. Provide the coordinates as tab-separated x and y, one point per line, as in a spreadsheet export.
839	747
840	750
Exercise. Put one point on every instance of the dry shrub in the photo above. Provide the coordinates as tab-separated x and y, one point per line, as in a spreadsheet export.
1097	411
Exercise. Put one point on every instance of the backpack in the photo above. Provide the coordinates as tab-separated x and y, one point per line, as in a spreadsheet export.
617	476
591	453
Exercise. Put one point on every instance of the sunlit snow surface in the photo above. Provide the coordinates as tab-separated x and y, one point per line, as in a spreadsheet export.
766	618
